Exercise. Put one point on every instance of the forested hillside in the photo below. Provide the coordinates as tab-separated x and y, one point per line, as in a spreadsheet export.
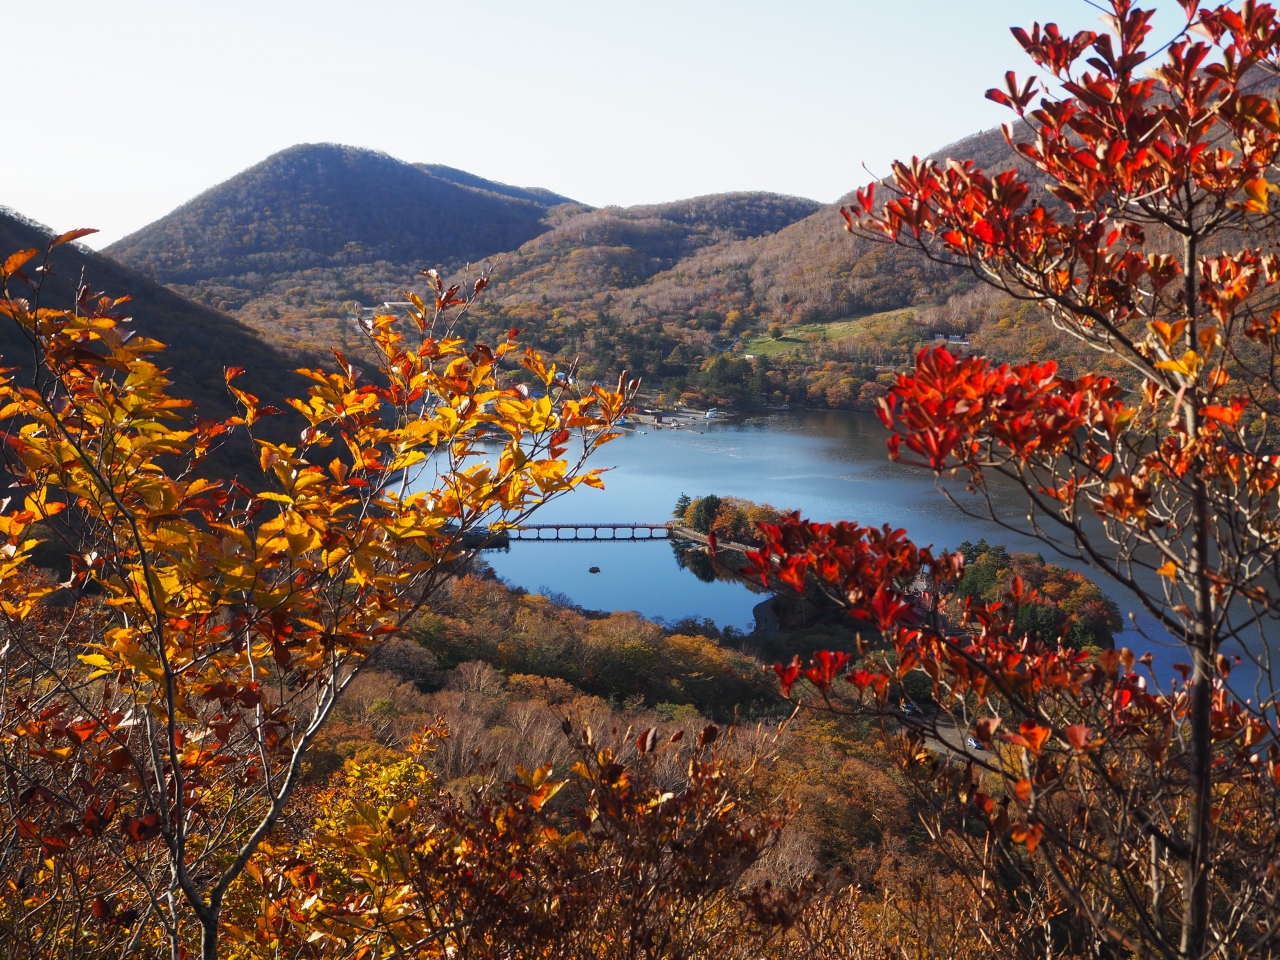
804	314
200	342
297	244
293	226
743	298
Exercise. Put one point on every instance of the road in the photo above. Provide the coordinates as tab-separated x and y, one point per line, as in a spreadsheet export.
939	735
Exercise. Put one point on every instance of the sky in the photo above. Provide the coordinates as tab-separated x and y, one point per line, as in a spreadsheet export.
129	108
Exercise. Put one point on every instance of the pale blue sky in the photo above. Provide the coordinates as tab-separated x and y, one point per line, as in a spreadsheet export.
119	111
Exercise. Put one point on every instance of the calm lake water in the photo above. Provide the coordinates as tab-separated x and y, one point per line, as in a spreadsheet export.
828	465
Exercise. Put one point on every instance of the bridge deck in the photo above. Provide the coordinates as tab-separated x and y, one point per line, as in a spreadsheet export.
591	531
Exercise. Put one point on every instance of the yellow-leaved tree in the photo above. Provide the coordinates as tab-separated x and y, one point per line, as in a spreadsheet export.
643	851
156	708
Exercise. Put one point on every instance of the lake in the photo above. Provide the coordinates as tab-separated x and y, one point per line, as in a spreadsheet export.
830	465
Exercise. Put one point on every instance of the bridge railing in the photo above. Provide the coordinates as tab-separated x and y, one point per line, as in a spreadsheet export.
591	531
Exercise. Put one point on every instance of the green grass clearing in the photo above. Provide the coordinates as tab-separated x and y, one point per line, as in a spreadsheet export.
872	326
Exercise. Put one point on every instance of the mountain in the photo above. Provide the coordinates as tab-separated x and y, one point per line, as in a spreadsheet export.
326	205
664	290
295	244
534	194
200	341
673	291
597	252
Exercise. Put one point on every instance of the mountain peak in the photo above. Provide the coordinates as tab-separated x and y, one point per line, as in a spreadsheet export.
326	204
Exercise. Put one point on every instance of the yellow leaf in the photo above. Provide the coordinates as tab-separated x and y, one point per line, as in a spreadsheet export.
241	576
1168	332
1170	570
148	665
300	535
1188	365
39	504
1257	192
96	660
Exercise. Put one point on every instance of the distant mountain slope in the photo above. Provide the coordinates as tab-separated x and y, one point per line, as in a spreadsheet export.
534	194
660	289
200	342
595	252
730	215
326	205
679	317
296	244
813	270
631	289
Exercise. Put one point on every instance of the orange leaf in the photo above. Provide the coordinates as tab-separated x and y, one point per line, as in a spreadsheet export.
1169	332
1257	192
1226	415
16	260
72	235
1029	834
1033	735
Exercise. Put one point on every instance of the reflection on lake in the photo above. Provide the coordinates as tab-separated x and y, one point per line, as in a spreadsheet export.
828	465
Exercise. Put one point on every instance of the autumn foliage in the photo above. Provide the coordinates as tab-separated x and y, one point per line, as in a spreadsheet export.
618	860
1129	811
159	705
170	768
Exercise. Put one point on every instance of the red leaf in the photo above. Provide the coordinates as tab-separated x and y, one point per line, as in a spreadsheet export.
1078	735
827	666
139	830
985	728
787	675
860	678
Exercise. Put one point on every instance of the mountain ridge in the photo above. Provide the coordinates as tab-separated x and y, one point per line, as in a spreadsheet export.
316	205
199	341
463	178
673	291
296	243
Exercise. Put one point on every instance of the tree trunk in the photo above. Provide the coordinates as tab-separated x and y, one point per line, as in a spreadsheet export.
1195	880
209	937
1195	888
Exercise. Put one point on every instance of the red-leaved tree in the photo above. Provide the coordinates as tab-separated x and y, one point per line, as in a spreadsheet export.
1134	813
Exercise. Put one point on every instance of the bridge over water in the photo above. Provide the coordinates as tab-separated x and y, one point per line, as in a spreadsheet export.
592	531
